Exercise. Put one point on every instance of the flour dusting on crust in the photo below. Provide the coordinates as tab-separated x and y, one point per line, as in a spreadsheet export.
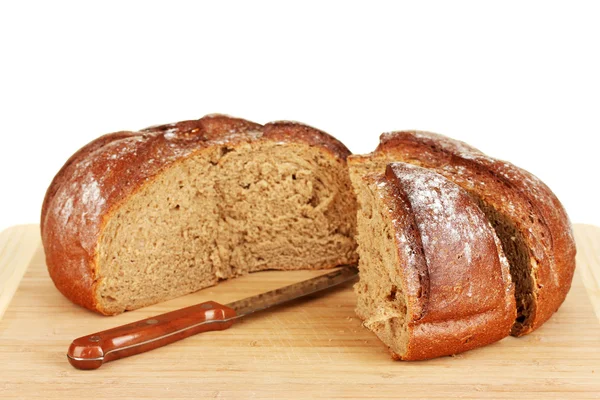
439	206
459	246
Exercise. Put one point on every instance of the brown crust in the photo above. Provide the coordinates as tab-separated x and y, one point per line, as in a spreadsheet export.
516	192
111	168
457	285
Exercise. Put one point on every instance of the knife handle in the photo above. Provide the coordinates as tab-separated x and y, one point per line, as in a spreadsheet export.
90	352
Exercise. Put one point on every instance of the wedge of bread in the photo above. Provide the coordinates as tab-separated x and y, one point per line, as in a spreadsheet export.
433	277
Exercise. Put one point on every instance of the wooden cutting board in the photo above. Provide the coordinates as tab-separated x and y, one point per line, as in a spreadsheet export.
315	348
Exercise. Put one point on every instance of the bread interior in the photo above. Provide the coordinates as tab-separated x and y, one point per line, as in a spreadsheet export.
520	261
223	212
381	302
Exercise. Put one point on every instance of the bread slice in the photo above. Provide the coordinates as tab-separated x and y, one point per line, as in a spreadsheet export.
135	218
433	278
529	220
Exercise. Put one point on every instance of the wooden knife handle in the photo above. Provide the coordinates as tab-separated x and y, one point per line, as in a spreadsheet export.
90	352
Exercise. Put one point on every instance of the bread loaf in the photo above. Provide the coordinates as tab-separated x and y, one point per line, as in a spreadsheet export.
529	220
135	218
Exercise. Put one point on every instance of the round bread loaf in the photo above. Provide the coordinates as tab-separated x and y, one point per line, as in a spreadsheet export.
529	220
135	218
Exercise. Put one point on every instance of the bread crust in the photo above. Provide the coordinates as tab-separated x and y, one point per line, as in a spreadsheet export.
110	169
518	194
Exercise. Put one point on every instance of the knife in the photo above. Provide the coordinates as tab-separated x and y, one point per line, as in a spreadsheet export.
90	352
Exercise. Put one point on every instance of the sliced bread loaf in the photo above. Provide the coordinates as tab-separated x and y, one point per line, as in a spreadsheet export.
135	218
529	220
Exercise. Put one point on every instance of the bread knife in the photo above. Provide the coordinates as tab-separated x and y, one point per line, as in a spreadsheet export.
90	352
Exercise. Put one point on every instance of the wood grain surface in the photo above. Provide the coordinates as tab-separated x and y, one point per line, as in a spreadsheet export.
315	348
17	246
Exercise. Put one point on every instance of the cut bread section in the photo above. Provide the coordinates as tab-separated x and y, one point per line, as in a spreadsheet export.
223	213
155	215
529	220
433	277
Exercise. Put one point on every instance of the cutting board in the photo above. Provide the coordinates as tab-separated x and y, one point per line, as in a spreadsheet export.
314	348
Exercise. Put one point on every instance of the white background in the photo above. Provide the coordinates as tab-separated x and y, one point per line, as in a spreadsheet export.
520	80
